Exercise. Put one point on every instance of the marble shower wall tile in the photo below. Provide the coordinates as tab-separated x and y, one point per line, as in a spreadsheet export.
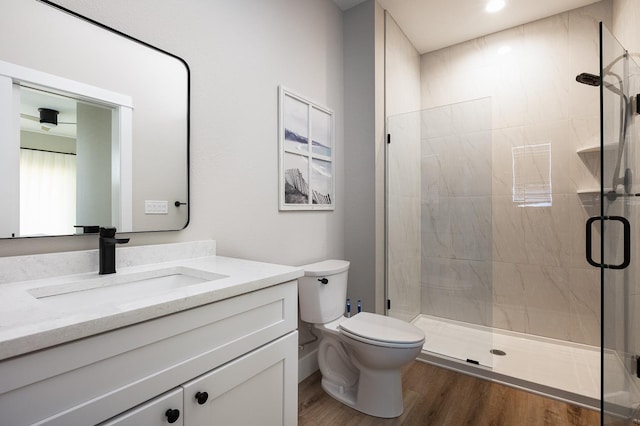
615	304
404	285
508	297
404	155
404	230
436	122
547	233
547	295
471	228
402	69
436	90
505	48
555	136
435	228
508	231
467	164
584	167
457	289
634	322
472	118
581	208
584	288
545	69
584	55
505	142
625	23
404	259
404	186
435	158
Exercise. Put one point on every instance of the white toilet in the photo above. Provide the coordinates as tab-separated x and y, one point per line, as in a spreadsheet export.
360	357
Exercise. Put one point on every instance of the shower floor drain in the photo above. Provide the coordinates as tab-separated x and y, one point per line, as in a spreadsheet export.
498	352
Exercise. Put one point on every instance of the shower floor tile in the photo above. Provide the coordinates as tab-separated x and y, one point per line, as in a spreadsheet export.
572	368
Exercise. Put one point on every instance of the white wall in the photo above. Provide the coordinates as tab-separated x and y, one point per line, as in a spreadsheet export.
238	52
9	158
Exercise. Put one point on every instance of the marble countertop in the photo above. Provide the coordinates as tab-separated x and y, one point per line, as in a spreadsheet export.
28	323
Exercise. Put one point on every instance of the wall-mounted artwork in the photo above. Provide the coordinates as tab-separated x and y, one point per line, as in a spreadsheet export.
306	154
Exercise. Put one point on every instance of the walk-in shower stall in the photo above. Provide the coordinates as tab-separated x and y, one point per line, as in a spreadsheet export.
514	244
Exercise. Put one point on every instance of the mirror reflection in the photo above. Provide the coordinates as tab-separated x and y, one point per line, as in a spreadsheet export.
90	136
65	156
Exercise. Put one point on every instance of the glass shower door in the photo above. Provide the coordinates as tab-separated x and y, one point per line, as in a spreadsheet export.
439	227
618	225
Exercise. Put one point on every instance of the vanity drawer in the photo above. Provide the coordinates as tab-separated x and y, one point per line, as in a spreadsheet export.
164	409
92	379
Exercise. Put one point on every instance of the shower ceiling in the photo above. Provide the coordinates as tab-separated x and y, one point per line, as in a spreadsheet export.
434	24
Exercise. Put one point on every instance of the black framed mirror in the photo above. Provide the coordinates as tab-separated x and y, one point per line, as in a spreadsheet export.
95	126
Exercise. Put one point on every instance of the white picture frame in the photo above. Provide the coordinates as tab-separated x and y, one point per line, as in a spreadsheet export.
306	154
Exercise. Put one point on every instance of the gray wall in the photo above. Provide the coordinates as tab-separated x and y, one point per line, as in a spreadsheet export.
359	68
93	165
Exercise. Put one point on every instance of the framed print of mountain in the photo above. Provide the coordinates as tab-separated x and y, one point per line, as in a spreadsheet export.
306	154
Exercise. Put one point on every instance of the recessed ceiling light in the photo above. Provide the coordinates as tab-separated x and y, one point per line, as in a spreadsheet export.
494	6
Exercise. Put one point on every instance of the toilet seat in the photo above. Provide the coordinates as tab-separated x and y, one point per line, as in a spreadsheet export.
380	330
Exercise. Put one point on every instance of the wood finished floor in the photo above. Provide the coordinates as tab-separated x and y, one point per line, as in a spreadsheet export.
436	396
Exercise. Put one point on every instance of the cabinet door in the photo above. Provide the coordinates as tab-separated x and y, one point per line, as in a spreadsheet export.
260	388
159	411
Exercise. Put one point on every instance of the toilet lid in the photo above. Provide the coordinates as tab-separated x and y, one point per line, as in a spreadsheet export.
382	329
326	267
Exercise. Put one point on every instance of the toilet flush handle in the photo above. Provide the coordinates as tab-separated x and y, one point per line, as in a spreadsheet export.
323	280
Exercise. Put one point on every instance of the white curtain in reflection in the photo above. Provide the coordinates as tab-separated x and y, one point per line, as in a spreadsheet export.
47	193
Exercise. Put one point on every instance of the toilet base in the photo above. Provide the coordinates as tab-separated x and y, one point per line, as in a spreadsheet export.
378	395
344	395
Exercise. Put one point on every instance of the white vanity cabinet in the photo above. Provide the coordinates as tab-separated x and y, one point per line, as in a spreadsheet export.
241	351
251	390
255	389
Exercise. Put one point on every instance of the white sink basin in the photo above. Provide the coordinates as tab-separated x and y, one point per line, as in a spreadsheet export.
121	288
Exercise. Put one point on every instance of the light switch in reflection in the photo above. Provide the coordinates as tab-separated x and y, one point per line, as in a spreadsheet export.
156	207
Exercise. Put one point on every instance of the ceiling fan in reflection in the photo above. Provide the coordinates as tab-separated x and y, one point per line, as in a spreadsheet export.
48	118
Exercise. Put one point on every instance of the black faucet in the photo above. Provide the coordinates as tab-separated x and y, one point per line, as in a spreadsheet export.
107	249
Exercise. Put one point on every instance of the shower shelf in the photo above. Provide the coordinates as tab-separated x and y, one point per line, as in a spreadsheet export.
589	191
592	191
596	149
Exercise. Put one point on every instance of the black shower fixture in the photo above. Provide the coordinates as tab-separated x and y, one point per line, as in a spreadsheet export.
48	117
590	79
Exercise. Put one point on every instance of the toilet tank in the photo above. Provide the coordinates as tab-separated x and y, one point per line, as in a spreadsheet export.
322	291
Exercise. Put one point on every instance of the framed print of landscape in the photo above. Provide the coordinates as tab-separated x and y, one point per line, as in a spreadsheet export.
306	154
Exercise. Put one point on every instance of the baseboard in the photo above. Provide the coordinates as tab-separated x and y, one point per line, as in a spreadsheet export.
307	365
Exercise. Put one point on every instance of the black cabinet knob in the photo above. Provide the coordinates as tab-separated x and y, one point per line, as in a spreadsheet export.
172	415
202	397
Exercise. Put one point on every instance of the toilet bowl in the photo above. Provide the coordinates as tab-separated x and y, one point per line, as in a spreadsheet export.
360	357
